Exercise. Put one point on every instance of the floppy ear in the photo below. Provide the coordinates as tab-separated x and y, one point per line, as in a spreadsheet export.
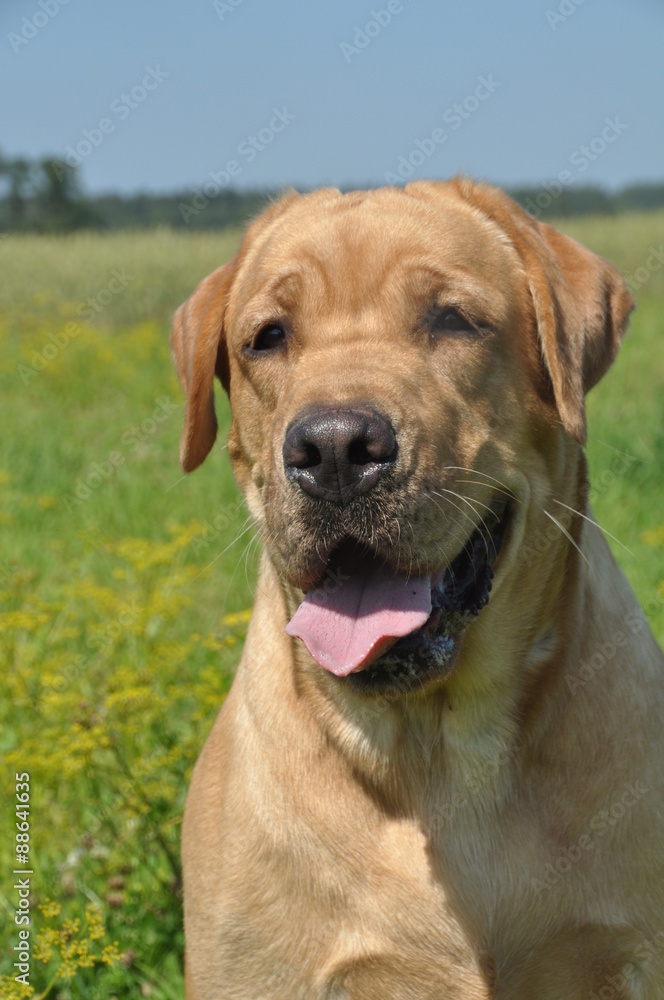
198	346
581	302
582	306
198	342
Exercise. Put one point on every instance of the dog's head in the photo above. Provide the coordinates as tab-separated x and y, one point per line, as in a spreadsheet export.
406	371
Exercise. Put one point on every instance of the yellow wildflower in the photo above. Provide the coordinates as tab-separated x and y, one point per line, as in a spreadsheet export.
50	908
94	921
654	537
110	955
11	990
237	618
46	502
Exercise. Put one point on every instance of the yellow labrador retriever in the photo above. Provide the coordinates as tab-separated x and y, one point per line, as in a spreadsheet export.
419	785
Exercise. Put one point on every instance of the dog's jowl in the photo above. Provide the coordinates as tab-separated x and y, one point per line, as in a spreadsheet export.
404	795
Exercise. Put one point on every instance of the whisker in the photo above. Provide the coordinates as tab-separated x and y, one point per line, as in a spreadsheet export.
223	551
625	454
441	549
475	482
454	522
235	569
247	553
180	480
472	502
256	543
479	472
456	506
565	533
483	533
590	521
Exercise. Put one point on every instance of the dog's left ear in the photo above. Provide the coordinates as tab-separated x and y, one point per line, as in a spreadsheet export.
581	302
582	307
198	346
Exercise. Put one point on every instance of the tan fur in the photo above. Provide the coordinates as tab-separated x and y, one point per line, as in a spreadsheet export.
435	844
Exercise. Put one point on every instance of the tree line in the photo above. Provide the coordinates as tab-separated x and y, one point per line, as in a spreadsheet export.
47	196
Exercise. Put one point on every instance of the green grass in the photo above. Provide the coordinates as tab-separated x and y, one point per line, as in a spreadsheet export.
122	605
117	643
626	409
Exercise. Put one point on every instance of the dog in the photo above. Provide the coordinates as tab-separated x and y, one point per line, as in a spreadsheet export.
414	789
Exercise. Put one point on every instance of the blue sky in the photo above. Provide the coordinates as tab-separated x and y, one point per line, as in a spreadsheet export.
302	94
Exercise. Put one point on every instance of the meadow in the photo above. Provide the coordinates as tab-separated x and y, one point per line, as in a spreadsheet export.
125	587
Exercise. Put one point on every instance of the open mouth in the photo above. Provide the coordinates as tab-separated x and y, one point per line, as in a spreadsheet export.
384	631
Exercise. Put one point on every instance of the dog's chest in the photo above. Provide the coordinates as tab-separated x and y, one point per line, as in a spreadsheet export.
399	923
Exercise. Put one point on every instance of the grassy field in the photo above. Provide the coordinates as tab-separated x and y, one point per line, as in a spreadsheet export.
124	587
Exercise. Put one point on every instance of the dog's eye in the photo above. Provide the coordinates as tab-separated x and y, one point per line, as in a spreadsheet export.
450	320
268	338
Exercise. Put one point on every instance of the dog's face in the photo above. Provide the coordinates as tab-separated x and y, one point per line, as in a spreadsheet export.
406	372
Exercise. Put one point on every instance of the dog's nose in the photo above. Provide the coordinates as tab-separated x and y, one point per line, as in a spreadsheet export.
337	453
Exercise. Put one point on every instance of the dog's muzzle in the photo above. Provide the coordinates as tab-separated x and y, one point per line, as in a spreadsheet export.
367	621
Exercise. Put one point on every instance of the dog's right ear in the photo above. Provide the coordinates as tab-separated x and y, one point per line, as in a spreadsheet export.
198	342
198	346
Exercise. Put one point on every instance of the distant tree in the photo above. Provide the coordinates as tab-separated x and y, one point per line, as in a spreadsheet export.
43	196
19	175
46	196
60	203
640	197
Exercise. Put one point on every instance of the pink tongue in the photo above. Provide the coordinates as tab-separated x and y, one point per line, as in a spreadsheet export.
347	626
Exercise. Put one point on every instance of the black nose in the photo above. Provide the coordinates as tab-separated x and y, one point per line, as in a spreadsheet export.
337	453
